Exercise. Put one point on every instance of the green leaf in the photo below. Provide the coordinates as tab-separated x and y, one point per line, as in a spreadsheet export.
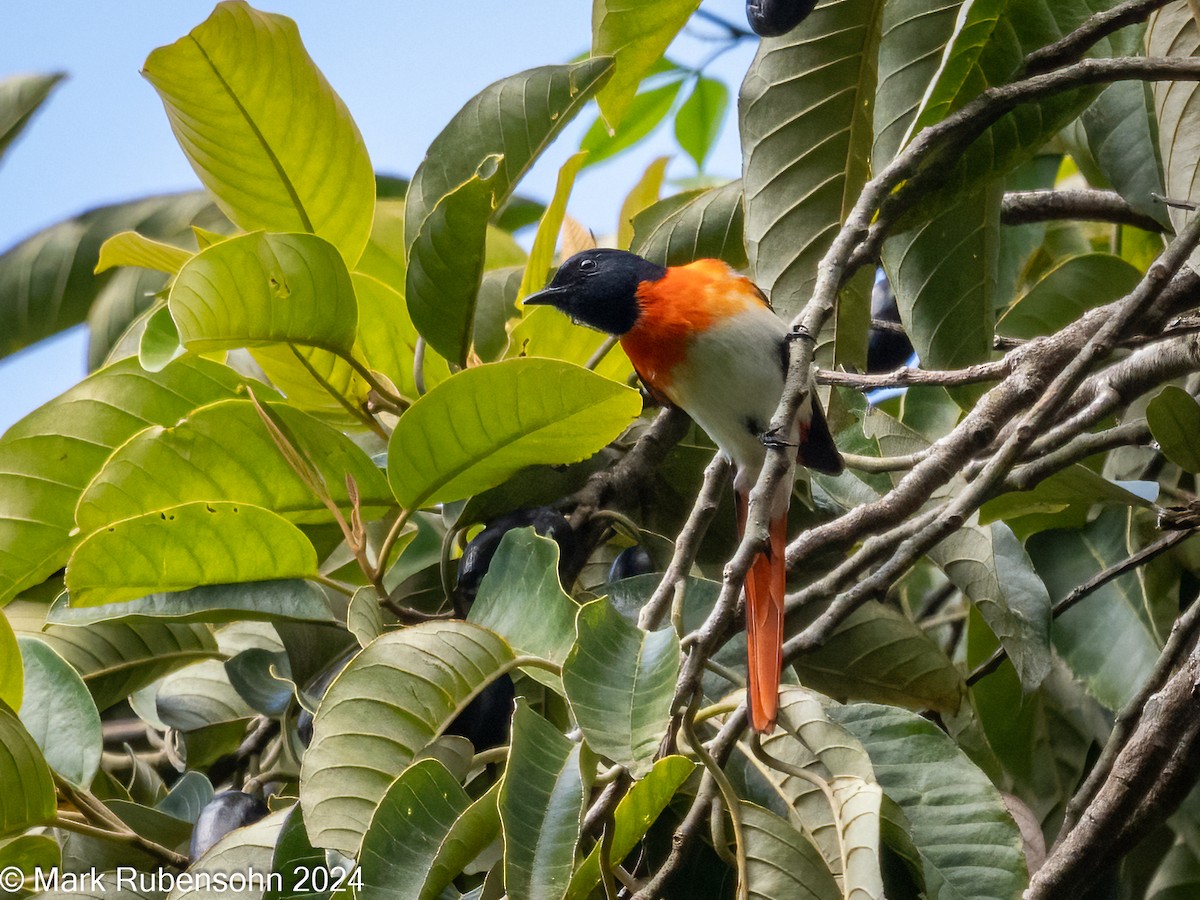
950	804
263	129
546	333
50	456
1064	499
262	289
1069	289
479	427
1173	32
60	714
223	451
782	862
28	795
914	34
197	696
805	118
388	339
522	601
637	811
1174	420
30	853
185	546
1123	138
128	248
699	120
693	225
116	659
187	797
20	97
12	673
295	860
541	255
838	809
423	833
47	282
641	196
392	699
497	305
646	112
468	173
541	807
620	681
159	343
1108	639
636	35
268	601
993	570
943	272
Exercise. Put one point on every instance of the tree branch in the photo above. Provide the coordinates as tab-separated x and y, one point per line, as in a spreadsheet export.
1023	207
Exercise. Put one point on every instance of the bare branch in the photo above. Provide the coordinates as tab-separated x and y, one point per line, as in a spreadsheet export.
1023	207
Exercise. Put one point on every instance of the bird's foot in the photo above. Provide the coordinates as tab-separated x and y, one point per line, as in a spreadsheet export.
772	441
800	333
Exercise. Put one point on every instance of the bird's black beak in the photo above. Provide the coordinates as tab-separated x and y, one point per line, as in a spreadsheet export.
550	296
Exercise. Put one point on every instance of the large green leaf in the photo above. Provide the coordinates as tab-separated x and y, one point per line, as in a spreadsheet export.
637	811
223	451
541	254
469	171
1065	499
620	681
838	805
12	673
805	115
914	34
185	546
48	458
60	714
541	808
1123	138
545	332
521	600
693	225
1108	639
1066	291
116	659
782	862
968	843
28	795
47	282
20	97
265	288
388	704
423	833
1174	420
1173	31
261	600
263	129
635	35
473	431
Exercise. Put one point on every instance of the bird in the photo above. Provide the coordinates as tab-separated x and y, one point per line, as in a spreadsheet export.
704	338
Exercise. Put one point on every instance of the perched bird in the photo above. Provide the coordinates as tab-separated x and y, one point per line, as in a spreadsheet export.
704	338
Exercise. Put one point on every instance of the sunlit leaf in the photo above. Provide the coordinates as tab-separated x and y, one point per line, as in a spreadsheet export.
185	546
132	249
699	120
541	255
28	795
645	113
546	333
643	195
474	430
263	129
12	677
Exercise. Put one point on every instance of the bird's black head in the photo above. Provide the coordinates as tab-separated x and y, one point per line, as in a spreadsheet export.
598	288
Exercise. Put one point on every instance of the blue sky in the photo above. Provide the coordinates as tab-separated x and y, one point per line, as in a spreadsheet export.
403	69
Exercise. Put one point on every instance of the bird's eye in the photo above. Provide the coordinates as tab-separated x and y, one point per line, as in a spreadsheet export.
587	265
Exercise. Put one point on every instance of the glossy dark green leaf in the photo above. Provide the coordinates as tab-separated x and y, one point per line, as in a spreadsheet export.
950	804
423	833
180	547
119	658
392	699
28	797
699	120
263	129
1174	420
541	807
620	681
50	456
805	118
20	97
59	713
477	159
693	225
474	430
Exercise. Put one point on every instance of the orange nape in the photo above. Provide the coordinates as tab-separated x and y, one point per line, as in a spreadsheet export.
766	585
684	303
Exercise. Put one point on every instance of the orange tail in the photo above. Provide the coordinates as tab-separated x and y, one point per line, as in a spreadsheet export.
766	584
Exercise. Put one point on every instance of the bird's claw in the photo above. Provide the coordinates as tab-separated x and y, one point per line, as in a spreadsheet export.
772	441
800	333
